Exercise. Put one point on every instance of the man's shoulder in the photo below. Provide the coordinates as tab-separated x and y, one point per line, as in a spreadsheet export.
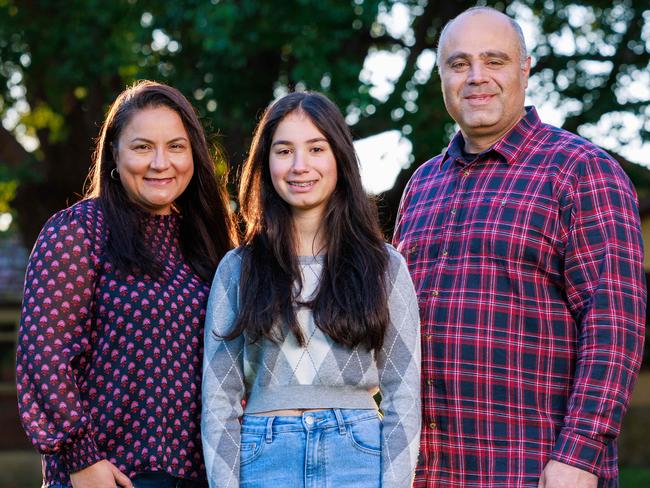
578	159
427	169
555	138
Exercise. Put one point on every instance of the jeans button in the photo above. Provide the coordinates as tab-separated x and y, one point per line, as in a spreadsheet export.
309	420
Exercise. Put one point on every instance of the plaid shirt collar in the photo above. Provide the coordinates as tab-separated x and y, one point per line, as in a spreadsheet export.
507	148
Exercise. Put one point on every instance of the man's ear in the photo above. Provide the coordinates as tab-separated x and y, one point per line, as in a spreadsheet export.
526	70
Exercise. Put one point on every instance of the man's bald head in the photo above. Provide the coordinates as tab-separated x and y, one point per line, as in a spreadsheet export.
523	52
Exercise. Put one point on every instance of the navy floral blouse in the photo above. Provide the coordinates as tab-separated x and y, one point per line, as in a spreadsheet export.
109	364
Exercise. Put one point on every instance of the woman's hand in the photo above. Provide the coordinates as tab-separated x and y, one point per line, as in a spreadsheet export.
100	475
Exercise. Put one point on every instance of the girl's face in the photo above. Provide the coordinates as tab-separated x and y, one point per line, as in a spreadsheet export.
302	165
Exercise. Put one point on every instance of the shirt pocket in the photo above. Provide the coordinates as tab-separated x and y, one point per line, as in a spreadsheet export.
517	229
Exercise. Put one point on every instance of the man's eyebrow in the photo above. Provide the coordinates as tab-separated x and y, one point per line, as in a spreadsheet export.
454	56
495	54
484	55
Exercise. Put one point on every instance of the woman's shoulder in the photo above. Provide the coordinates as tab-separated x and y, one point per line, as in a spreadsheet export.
78	227
85	216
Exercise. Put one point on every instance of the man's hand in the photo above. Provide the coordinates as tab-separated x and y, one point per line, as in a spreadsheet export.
560	475
100	475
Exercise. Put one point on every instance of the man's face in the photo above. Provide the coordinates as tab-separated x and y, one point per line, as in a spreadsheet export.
483	82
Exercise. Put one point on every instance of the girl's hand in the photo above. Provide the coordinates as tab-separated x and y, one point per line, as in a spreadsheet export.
100	475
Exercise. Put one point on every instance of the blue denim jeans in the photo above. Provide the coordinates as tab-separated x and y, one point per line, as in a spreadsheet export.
323	449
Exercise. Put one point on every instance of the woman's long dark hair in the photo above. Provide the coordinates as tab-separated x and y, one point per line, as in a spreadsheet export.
206	228
350	305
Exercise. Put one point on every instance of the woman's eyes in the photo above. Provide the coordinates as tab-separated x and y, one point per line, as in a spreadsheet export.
176	147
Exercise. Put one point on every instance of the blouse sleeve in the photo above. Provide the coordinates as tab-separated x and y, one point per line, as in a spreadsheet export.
399	380
53	342
223	378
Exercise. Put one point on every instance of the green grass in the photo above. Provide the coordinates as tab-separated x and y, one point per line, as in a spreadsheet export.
635	477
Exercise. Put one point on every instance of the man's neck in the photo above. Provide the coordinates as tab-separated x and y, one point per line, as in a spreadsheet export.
478	144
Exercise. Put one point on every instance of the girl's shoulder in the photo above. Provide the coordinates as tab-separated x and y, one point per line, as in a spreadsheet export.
230	265
396	261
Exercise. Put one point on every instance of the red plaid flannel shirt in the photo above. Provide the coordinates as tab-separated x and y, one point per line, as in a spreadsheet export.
528	266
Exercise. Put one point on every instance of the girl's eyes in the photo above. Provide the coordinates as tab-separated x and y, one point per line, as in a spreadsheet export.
287	151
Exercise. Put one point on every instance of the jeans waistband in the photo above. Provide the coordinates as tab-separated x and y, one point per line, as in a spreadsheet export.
312	420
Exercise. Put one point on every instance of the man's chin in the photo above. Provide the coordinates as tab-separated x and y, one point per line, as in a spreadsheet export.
479	125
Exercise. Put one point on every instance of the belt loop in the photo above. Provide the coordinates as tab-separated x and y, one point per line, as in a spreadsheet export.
269	429
340	421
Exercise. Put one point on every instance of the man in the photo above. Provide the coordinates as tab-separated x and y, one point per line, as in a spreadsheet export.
524	244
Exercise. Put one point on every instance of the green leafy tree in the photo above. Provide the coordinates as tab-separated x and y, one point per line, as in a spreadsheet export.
62	63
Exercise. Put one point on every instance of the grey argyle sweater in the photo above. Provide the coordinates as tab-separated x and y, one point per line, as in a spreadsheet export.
322	374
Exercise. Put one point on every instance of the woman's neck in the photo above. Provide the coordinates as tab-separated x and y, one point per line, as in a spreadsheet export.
310	240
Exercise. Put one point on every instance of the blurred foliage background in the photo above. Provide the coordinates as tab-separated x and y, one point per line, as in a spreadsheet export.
63	62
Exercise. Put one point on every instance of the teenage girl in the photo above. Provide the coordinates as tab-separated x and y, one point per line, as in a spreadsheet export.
308	320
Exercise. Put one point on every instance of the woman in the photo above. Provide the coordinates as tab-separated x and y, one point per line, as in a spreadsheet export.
308	319
109	348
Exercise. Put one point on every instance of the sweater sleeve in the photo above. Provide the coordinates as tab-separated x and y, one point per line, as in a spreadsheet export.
399	380
223	378
53	341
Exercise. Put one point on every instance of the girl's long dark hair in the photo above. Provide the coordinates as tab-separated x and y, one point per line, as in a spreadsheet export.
350	304
206	228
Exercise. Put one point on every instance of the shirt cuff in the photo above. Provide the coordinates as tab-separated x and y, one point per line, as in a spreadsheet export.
81	454
579	451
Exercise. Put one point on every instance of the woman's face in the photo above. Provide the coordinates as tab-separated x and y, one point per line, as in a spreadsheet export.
154	159
302	165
